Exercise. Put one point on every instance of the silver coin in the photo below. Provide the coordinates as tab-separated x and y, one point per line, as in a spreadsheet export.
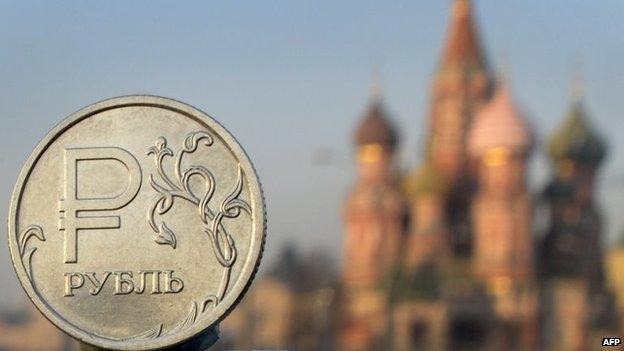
137	223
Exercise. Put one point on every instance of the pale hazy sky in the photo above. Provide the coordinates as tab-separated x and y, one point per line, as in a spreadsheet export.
290	78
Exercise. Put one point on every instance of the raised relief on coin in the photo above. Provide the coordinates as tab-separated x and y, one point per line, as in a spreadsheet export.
137	223
27	253
178	187
72	204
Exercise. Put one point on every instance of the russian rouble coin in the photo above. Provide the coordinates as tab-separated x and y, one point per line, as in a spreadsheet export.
137	223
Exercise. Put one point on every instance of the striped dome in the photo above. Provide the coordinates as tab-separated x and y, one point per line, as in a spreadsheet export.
499	124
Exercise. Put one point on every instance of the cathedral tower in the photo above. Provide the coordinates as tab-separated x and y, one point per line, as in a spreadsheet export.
374	218
461	86
577	152
374	210
571	254
499	142
428	236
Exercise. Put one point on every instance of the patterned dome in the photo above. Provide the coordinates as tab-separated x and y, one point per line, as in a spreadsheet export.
376	128
499	124
577	140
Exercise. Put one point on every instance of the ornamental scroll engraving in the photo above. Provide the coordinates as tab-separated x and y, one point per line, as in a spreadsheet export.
177	186
27	253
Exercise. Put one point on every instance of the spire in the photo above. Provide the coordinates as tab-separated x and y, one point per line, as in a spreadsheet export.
462	42
461	86
376	87
577	90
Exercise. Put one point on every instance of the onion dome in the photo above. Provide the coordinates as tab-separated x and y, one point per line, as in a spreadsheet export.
424	180
376	128
500	125
577	140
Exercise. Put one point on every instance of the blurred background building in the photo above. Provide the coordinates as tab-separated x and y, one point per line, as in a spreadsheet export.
446	256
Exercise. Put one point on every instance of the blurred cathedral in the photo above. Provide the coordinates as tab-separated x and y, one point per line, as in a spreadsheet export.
447	257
